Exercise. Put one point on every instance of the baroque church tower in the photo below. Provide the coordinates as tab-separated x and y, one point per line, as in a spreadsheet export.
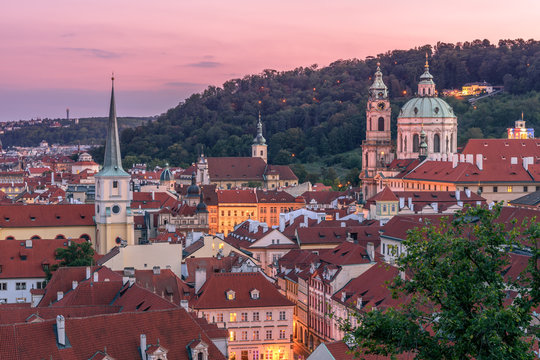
259	147
114	220
377	147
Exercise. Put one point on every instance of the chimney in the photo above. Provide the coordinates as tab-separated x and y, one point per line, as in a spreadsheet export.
462	158
153	196
156	270
184	304
359	303
371	251
343	224
480	161
200	278
59	295
457	195
305	221
125	280
96	277
281	222
401	203
513	160
445	157
469	158
74	284
131	281
435	207
337	215
143	346
468	193
409	201
455	160
527	161
343	296
61	330
28	244
88	272
402	275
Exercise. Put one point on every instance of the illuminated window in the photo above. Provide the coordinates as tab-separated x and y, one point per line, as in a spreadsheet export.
282	334
244	335
232	336
244	316
232	317
509	189
220	317
268	315
256	335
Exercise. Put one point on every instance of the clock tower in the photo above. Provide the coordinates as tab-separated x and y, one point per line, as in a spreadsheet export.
377	147
114	219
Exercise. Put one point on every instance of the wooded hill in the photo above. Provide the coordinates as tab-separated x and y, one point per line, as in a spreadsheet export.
312	113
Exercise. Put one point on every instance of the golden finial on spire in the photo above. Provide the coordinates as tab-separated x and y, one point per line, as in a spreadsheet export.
427	64
112	76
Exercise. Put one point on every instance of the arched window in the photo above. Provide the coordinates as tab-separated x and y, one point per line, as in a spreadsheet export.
85	237
60	236
381	124
447	148
451	142
10	238
400	142
415	143
366	161
405	144
436	143
35	237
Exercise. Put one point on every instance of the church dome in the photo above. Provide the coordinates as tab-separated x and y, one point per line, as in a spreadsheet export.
166	175
426	107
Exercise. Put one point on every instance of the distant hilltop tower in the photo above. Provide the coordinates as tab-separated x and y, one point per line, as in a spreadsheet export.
67	114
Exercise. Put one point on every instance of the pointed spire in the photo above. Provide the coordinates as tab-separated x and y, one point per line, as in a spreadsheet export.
426	86
259	139
112	164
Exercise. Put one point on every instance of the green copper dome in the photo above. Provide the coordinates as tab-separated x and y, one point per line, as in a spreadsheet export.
426	107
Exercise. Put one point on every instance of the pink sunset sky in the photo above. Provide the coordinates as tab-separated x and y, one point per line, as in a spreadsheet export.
59	54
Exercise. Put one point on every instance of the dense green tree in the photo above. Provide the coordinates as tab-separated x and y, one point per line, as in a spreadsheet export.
76	254
457	295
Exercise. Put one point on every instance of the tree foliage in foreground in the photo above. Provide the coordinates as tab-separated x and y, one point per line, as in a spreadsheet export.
76	254
459	306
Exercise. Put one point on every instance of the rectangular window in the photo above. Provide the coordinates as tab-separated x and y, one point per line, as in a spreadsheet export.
220	317
282	334
256	316
20	286
495	189
525	189
232	336
244	316
255	354
255	334
3	286
509	189
244	335
268	334
282	315
115	184
268	315
232	317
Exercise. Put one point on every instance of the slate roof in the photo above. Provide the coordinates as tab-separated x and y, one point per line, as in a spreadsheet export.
236	168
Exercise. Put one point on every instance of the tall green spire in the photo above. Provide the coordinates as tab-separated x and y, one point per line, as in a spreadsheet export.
112	164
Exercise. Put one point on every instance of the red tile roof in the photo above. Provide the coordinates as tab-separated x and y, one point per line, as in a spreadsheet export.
213	293
274	196
237	196
236	168
19	261
46	215
118	333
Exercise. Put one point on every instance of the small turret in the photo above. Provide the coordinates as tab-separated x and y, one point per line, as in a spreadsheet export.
259	147
426	86
378	89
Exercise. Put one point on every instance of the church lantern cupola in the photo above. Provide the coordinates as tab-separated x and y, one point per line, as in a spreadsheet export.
426	86
259	147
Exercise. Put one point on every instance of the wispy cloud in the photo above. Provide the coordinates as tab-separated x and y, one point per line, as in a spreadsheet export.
205	64
99	53
183	84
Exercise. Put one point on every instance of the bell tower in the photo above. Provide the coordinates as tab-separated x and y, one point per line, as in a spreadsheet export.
259	147
114	220
377	147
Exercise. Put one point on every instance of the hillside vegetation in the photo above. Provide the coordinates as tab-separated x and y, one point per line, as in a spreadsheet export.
313	115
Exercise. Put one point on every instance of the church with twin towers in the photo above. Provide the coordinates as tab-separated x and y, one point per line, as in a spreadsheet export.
426	125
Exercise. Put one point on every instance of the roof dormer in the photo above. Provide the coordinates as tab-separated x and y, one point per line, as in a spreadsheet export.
254	294
231	295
